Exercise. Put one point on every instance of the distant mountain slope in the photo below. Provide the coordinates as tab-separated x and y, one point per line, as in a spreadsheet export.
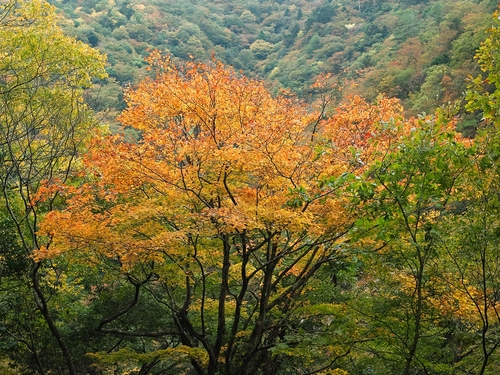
419	51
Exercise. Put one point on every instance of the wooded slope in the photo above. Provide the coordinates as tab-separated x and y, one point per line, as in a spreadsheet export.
418	51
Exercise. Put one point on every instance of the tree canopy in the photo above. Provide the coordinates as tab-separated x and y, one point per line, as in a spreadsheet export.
244	230
226	209
43	124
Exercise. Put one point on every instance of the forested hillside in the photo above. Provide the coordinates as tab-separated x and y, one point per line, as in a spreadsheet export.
246	229
418	51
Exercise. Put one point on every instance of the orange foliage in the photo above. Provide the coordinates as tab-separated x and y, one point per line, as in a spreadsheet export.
366	128
229	188
218	155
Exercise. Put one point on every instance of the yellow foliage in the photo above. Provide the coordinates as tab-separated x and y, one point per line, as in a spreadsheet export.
218	156
336	371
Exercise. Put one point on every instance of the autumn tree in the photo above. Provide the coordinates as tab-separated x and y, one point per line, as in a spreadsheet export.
43	123
222	216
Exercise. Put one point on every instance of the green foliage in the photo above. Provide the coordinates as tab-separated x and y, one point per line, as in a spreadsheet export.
43	125
126	359
407	201
323	37
483	91
321	14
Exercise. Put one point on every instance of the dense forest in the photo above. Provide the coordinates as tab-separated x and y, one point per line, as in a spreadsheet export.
418	51
312	187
